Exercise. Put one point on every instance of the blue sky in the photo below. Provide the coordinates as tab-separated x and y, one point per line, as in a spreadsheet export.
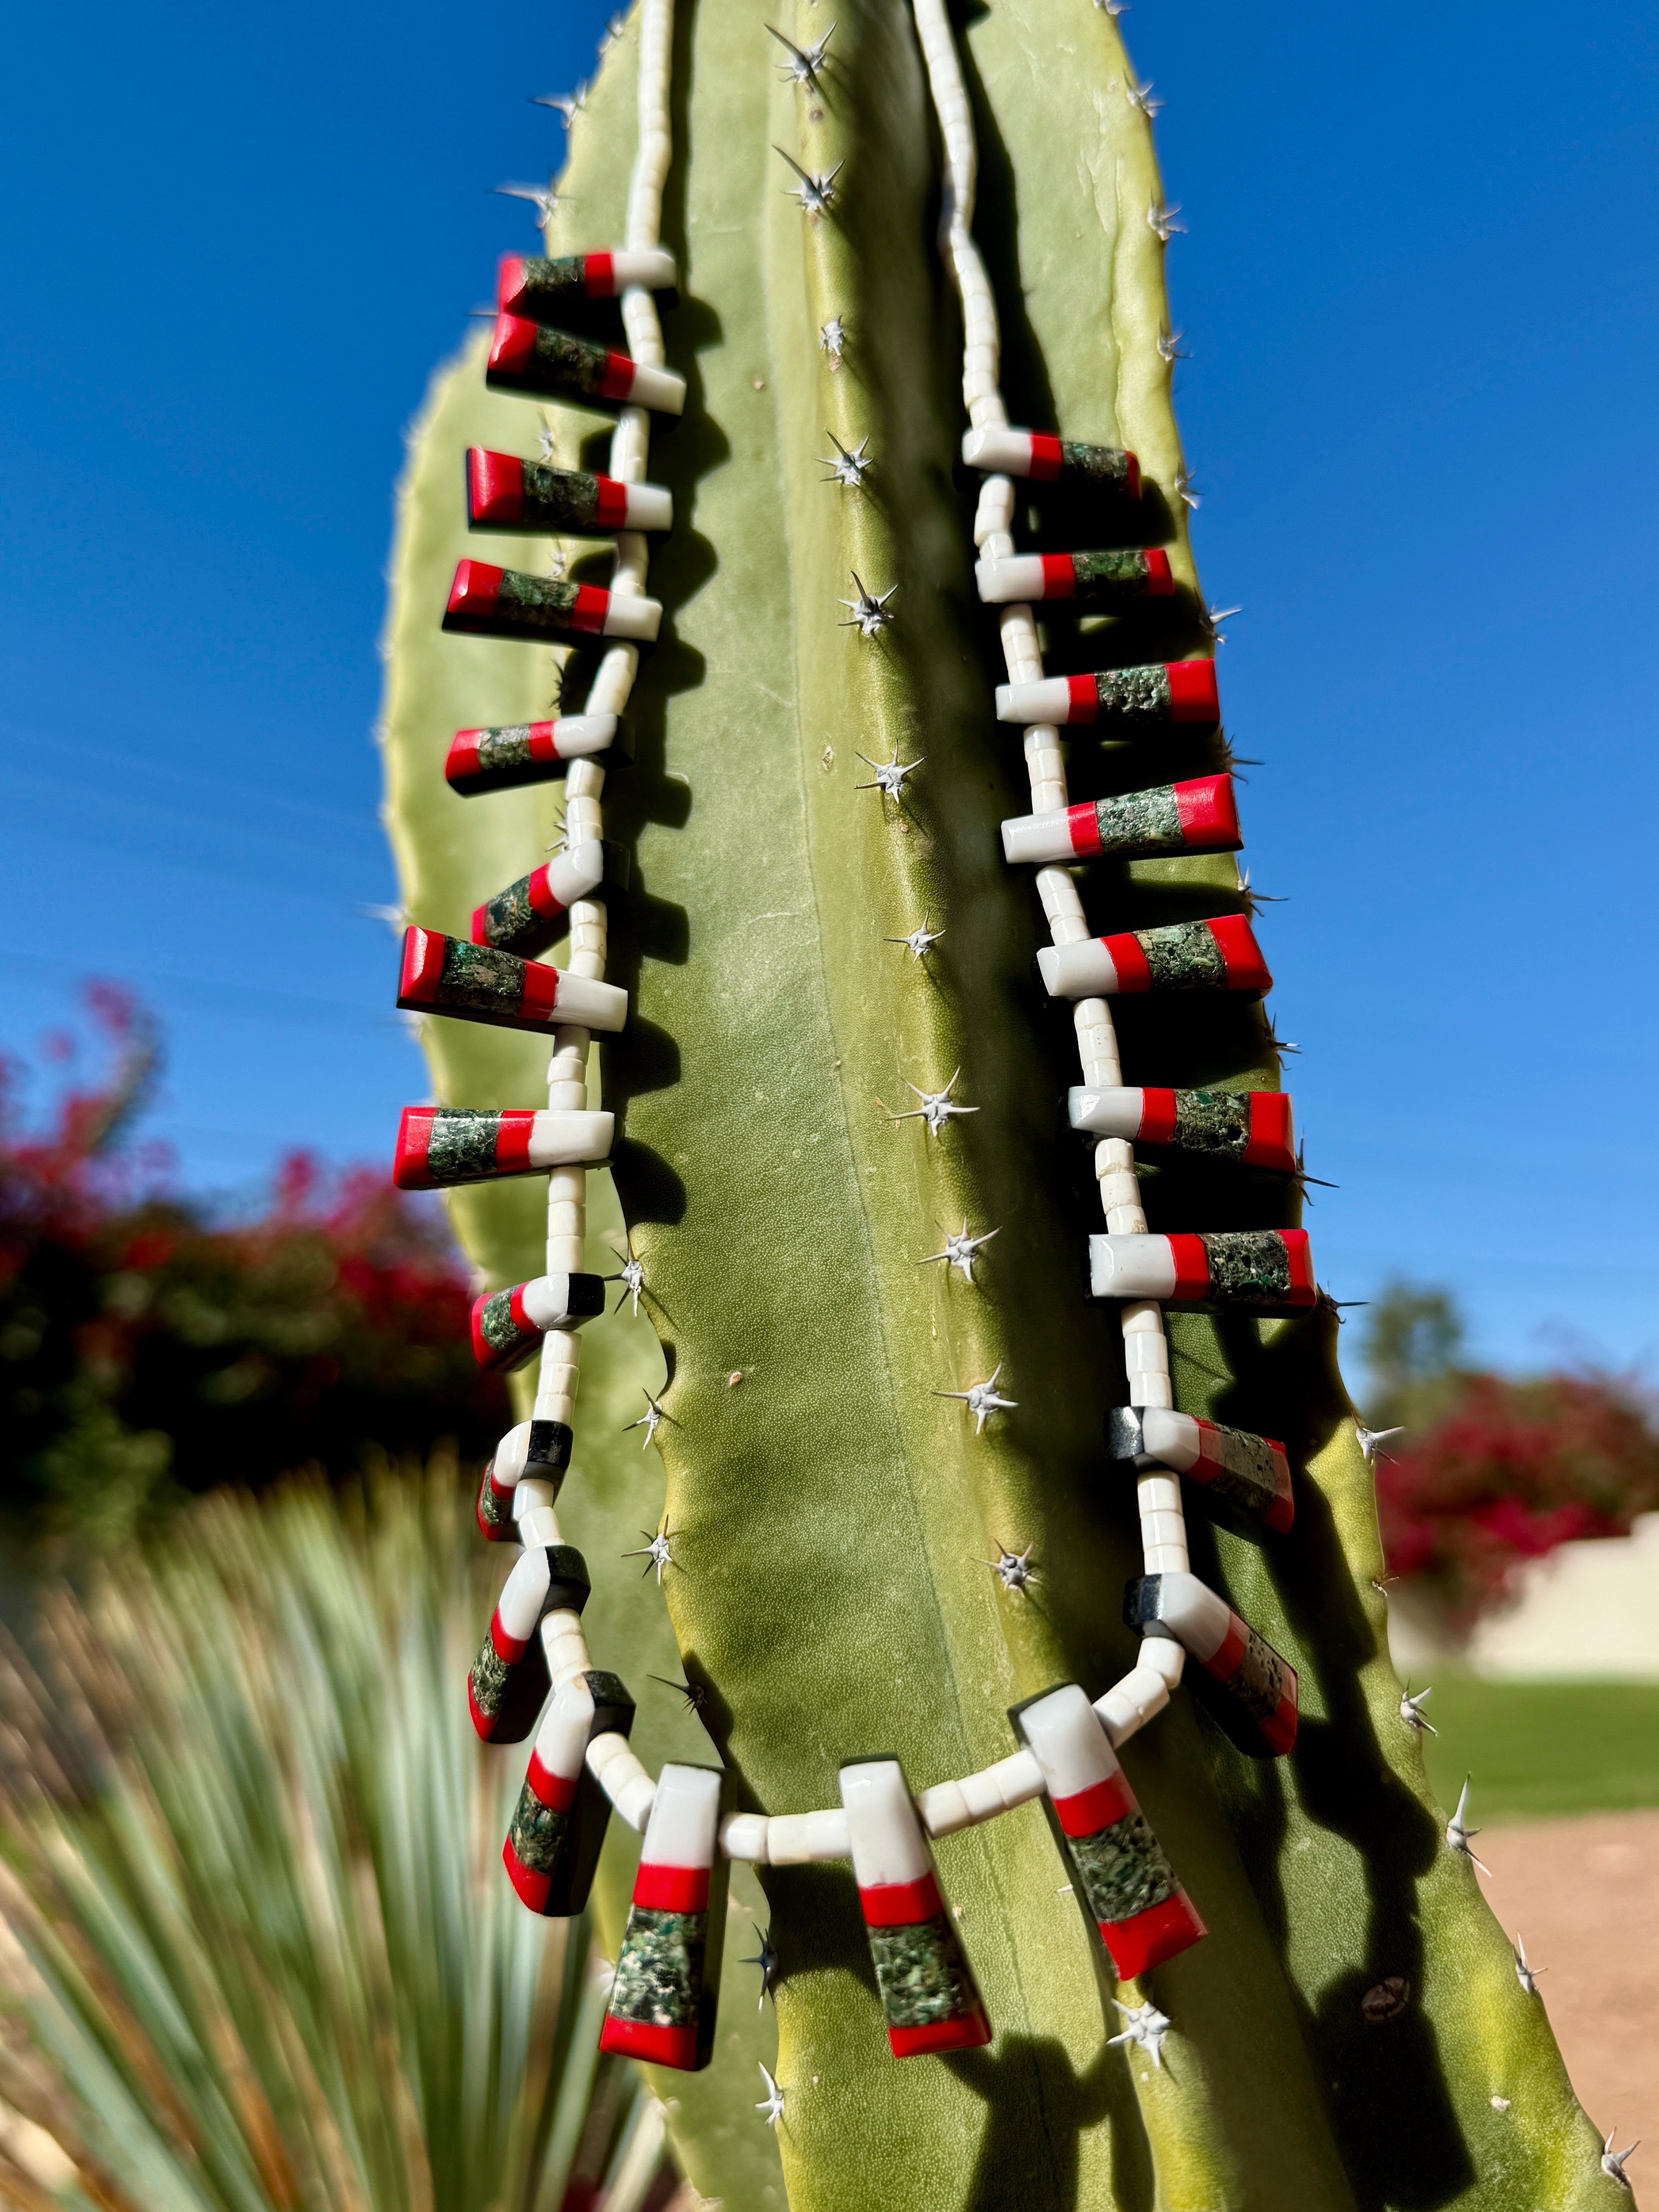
1419	291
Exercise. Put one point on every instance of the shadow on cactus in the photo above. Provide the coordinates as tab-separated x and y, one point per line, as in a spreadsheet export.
986	1438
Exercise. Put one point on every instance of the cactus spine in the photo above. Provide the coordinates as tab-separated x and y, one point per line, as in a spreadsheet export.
831	1505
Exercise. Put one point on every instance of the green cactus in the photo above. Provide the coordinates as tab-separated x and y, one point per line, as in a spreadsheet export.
835	1512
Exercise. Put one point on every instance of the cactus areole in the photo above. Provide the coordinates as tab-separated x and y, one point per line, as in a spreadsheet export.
1017	1548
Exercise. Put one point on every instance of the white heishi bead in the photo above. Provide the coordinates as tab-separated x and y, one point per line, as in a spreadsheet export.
519	1605
998	447
685	1818
1045	838
596	1005
650	507
615	1766
1175	1438
565	1140
1131	1267
576	736
1067	1741
540	1525
882	1825
1106	1113
994	1790
1191	1610
631	617
654	271
1157	1493
510	1455
1147	1391
1146	1354
1077	971
660	388
1049	701
564	1646
1166	1658
742	1836
1129	1704
562	1739
573	873
1002	583
1165	1559
1165	1529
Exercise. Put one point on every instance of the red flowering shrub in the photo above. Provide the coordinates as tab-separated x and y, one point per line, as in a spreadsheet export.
1511	1470
145	1349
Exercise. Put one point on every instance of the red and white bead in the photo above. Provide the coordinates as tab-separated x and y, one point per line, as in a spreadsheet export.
1175	1269
1148	1117
1207	808
1117	966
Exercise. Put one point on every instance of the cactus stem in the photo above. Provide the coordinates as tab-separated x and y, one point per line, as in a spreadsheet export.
888	775
696	1695
1162	219
1140	96
832	340
804	61
1410	1711
1458	1835
982	1399
767	1959
566	103
543	197
1169	346
655	1551
1613	2162
1369	1441
1188	493
1525	1972
959	1250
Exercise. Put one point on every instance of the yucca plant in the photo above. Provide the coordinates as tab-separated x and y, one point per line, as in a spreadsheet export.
890	1519
260	1957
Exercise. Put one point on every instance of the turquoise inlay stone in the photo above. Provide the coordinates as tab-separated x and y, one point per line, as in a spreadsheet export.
1213	1121
1183	956
1103	466
1140	824
537	1832
479	977
1142	691
1248	1267
462	1145
1123	1869
660	1973
921	1974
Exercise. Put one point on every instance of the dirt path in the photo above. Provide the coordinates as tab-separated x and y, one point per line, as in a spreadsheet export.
1584	1894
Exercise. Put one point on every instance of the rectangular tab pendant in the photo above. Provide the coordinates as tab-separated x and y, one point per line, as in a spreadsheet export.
1252	1472
927	1988
1219	955
1121	1875
532	913
527	357
1000	451
533	285
539	1451
442	1146
1199	816
552	1848
1254	1127
1088	580
508	1683
508	1325
1268	1269
516	753
476	983
489	602
1168	691
505	493
663	2000
1261	1687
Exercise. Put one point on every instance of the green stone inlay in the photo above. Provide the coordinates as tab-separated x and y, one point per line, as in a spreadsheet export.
544	602
480	977
506	747
548	283
496	1325
559	499
1184	957
1143	691
509	917
488	1677
1104	576
1213	1121
1105	465
1140	823
660	1973
1248	1472
495	1511
1261	1680
1123	1869
1248	1267
921	1974
462	1145
563	363
536	1832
